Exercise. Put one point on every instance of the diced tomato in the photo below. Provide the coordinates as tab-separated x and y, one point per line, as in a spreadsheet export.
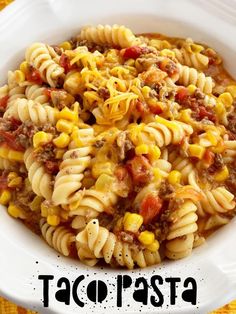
3	101
139	168
10	141
203	113
15	123
155	109
182	94
150	208
52	167
3	182
65	63
121	173
33	75
209	157
134	52
47	91
141	107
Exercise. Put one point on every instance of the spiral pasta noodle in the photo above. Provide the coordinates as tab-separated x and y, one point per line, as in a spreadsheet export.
40	56
180	237
28	110
189	76
68	179
110	35
40	180
104	244
59	238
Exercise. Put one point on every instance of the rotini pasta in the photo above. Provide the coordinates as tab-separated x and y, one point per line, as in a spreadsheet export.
59	238
43	58
28	110
104	244
40	180
110	35
119	146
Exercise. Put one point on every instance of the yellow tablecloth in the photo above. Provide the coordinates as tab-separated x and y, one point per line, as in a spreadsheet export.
10	308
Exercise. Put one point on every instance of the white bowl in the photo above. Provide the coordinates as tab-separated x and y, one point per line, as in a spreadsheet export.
23	255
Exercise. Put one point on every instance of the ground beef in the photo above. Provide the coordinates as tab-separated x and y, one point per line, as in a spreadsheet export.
25	133
165	190
126	237
199	94
99	143
232	120
57	49
217	165
123	145
103	92
77	42
231	181
61	99
45	154
52	166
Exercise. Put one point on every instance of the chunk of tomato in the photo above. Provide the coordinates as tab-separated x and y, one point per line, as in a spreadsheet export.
3	182
209	157
133	52
139	168
150	208
65	63
10	141
3	101
182	94
33	75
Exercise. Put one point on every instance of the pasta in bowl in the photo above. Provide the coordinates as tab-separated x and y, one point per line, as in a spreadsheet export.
118	147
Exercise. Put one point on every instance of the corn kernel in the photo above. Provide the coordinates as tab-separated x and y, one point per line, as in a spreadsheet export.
102	167
15	182
141	149
132	222
41	138
154	152
104	182
232	90
222	175
4	152
185	115
15	211
68	114
66	45
64	126
167	53
19	76
212	138
59	153
219	108
44	210
24	66
157	174
53	220
196	150
191	88
36	203
219	148
146	237
15	155
154	246
62	140
145	91
174	177
226	99
5	197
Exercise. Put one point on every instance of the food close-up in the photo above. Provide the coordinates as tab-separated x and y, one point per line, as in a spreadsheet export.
119	148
